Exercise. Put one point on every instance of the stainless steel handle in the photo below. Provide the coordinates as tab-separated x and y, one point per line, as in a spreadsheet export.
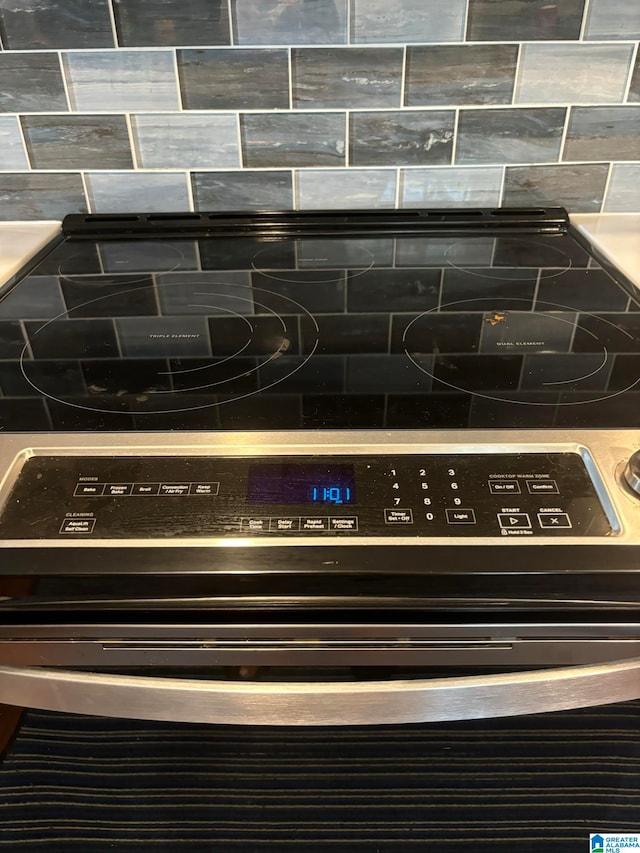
320	704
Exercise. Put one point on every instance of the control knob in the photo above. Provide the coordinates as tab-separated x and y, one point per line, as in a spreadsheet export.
631	473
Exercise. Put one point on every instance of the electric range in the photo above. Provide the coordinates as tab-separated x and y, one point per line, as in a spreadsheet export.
309	459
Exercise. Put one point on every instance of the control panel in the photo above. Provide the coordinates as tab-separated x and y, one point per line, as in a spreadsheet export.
519	495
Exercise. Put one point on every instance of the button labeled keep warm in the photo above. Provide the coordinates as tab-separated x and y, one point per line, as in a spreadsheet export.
508	520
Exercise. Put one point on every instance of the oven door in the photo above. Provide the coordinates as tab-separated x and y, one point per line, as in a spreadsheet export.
321	650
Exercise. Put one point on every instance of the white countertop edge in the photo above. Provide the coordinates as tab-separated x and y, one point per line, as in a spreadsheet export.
20	241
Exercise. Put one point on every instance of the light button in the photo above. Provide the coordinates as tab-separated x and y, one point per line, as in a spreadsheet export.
461	516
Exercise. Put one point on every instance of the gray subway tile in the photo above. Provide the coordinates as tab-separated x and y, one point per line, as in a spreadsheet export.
402	21
31	82
613	19
234	79
603	133
139	191
245	190
299	22
40	196
346	188
199	141
566	73
347	77
77	142
402	137
579	188
13	155
623	192
293	139
451	187
122	80
518	135
460	74
55	24
171	22
524	20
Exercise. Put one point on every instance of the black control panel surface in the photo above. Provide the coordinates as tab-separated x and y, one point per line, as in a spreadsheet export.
454	496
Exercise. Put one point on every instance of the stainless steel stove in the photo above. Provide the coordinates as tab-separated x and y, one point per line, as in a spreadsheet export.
320	468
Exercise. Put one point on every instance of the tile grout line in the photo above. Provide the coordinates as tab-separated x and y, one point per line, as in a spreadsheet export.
65	85
190	195
176	70
295	189
454	147
467	9
85	189
398	192
290	75
241	158
132	142
503	186
607	184
583	23
347	132
230	14
114	29
565	132
403	78
632	68
24	146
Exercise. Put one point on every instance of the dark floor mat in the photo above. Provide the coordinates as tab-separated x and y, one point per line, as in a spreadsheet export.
520	784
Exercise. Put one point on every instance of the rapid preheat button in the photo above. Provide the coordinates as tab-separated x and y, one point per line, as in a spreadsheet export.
314	522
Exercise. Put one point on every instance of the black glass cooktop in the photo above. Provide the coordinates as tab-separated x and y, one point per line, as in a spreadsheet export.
347	323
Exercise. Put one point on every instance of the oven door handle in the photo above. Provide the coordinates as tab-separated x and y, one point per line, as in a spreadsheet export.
320	703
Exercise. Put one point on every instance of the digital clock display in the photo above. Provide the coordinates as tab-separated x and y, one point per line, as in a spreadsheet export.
308	483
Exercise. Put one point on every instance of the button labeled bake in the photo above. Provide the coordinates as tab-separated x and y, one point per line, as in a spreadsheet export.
89	490
398	516
545	487
501	487
460	516
509	520
554	519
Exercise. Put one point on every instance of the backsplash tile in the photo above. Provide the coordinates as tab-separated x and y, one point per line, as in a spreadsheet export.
460	74
526	20
13	155
580	188
31	82
342	77
451	187
384	21
234	79
328	189
245	190
583	73
599	133
77	142
204	140
402	137
171	22
111	192
312	139
276	22
52	24
613	19
122	80
120	105
510	135
623	193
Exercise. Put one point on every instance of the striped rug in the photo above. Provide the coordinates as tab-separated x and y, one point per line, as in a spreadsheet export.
71	783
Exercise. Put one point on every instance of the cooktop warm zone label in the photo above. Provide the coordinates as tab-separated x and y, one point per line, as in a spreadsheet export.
414	496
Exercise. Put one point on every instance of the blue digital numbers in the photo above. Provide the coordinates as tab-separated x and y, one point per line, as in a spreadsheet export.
331	494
